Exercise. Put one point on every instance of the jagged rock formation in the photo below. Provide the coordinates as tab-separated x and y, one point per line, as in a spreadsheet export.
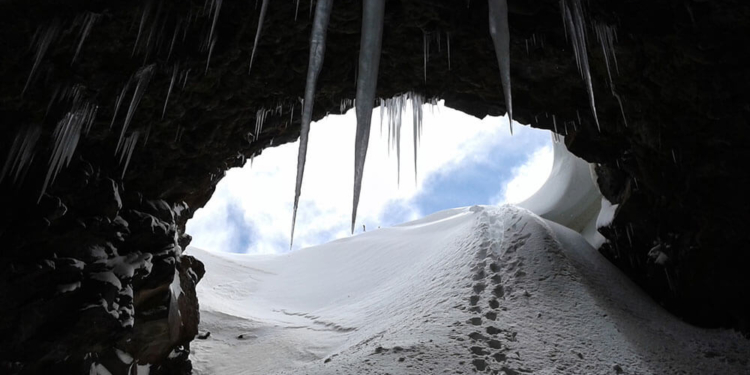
93	261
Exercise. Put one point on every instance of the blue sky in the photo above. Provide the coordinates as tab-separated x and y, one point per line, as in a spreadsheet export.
462	161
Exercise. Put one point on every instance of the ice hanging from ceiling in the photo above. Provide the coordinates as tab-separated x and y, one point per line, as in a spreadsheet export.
500	32
143	77
21	153
394	108
261	18
607	35
317	55
575	26
367	80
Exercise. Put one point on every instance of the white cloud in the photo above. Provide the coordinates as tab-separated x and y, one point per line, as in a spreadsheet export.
264	193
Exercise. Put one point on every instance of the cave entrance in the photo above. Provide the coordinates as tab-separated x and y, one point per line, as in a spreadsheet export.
461	161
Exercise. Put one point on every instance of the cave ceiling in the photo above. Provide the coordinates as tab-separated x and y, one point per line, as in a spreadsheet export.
670	150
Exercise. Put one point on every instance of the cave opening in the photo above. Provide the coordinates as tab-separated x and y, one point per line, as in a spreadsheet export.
122	118
461	161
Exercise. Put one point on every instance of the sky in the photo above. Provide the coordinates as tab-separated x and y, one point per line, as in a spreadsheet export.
461	161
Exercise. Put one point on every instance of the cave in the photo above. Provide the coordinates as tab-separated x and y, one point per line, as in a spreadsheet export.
120	118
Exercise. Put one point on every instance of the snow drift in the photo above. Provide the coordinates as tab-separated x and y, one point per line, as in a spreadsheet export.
488	289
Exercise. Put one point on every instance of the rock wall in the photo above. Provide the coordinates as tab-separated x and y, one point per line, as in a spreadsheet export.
142	106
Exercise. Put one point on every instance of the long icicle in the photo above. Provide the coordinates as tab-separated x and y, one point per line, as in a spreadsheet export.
576	30
21	153
45	39
263	9
367	81
498	10
416	103
315	63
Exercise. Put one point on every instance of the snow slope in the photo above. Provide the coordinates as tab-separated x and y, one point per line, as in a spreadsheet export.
570	196
493	289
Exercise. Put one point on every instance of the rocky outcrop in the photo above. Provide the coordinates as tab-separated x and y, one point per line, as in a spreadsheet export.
142	106
92	279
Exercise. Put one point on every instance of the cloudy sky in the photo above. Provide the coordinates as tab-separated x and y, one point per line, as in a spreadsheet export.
462	161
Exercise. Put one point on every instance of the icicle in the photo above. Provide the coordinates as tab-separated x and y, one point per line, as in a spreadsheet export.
21	152
89	112
88	22
42	45
127	150
174	38
381	104
347	103
498	10
416	103
260	118
143	76
52	100
263	9
619	101
315	64
576	30
144	16
296	10
169	92
369	63
394	108
605	34
425	52
448	41
210	51
216	7
66	136
554	121
291	114
187	73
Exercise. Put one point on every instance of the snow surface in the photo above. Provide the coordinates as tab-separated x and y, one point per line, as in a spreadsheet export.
570	196
480	288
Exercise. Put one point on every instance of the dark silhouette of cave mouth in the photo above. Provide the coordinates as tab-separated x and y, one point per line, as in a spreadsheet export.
153	103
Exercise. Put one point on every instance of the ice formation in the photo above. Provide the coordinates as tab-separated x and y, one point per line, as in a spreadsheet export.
498	12
607	35
169	91
144	17
367	80
66	136
575	25
143	77
425	51
88	22
394	108
416	104
262	16
448	41
210	52
43	42
21	153
127	150
315	64
215	9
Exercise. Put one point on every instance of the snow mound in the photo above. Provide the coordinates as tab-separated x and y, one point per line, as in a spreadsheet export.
488	289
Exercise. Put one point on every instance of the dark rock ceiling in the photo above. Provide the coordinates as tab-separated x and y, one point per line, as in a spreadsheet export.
676	168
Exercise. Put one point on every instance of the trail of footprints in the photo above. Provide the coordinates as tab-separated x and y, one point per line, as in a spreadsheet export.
488	345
